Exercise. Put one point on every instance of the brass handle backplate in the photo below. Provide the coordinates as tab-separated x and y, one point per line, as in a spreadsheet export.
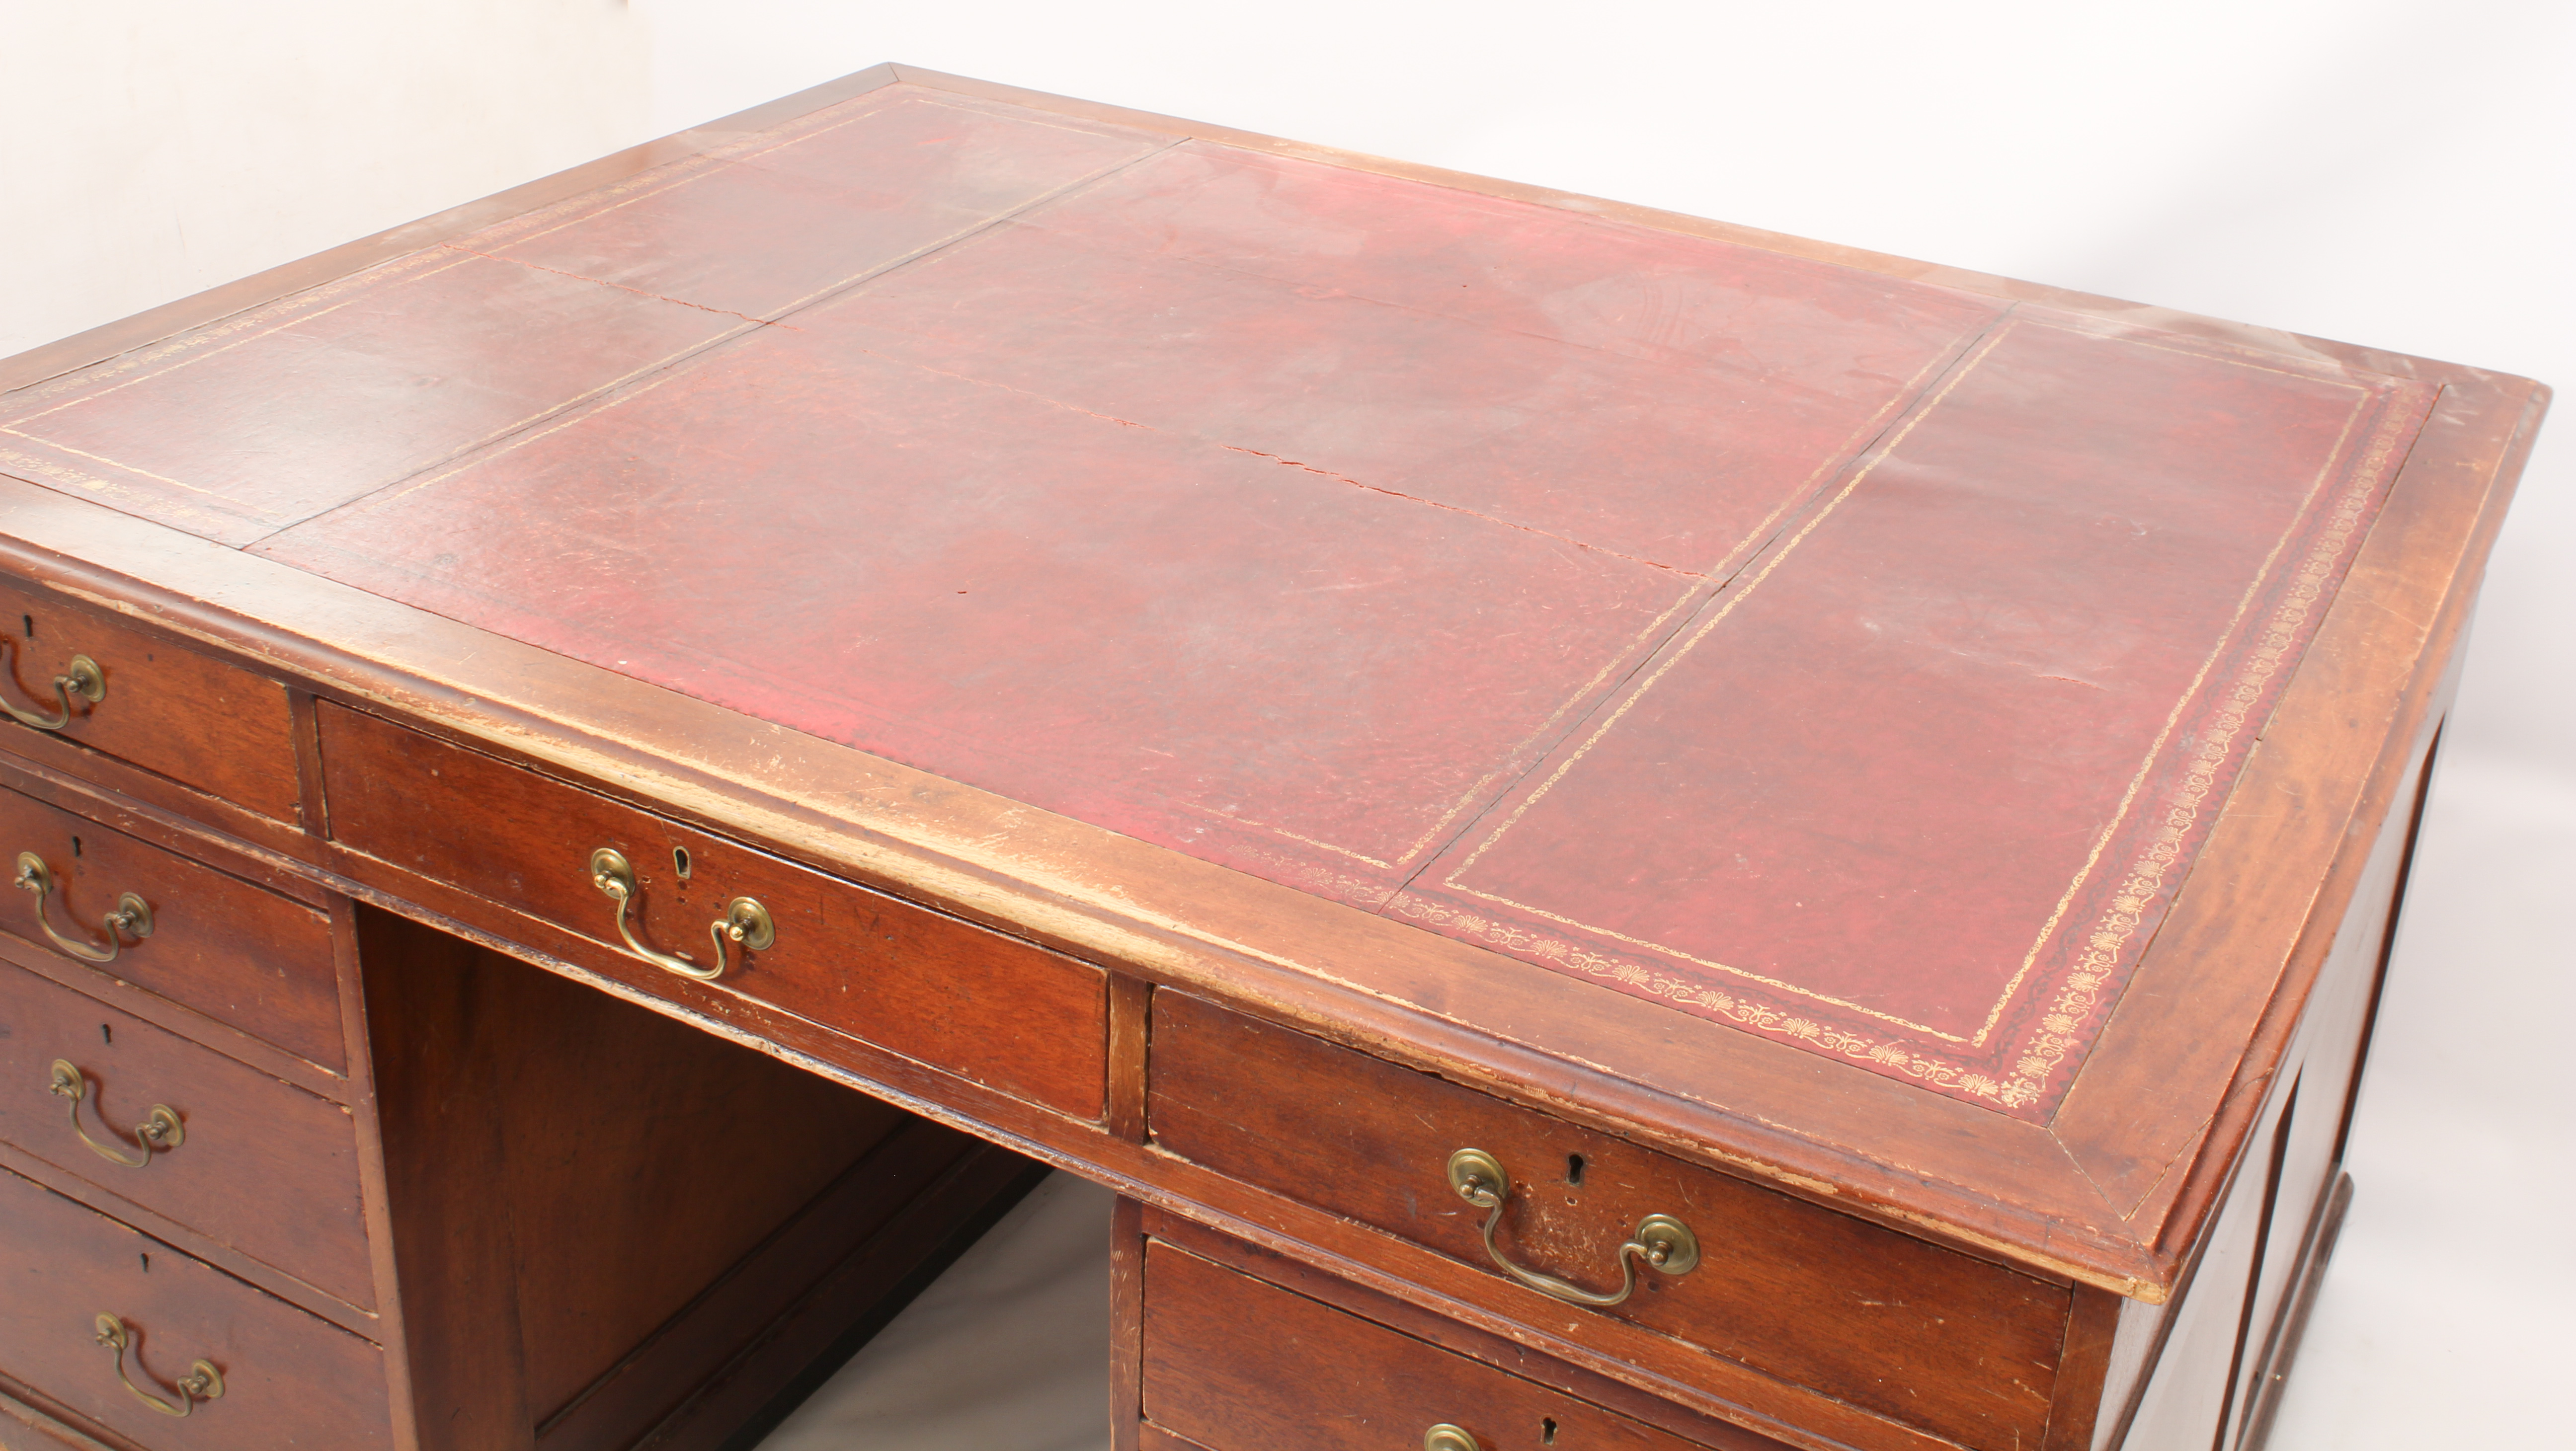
82	677
745	922
1445	1437
160	1128
1663	1242
132	917
202	1382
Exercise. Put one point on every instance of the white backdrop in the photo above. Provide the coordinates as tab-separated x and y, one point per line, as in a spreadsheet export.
2380	171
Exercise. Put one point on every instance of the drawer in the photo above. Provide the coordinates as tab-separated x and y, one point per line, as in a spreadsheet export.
1943	1341
988	1008
261	1166
1234	1363
166	708
289	1379
237	953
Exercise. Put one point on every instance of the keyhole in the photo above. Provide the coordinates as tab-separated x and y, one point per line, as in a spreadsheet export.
1547	1430
1574	1168
28	623
147	1263
76	850
680	862
107	1035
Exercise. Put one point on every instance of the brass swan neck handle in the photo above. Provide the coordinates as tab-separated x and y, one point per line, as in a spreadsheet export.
160	1129
202	1382
745	924
81	677
1663	1242
132	917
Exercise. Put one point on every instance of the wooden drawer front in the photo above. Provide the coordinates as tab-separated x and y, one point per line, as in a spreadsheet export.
238	953
264	1167
166	708
1238	1364
985	1007
290	1380
1953	1344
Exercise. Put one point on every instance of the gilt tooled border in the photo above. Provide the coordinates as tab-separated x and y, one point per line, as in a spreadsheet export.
2061	1029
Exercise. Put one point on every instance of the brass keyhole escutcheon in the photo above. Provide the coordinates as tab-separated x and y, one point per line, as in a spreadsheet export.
1663	1242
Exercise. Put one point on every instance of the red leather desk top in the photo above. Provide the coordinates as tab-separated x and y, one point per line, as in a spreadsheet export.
1849	660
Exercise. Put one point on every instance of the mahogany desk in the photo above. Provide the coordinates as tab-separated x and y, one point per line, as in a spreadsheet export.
1620	832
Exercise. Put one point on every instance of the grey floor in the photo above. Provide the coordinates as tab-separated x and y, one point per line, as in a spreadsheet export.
1008	1351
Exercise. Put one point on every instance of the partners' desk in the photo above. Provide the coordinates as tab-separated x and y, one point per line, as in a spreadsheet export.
1621	832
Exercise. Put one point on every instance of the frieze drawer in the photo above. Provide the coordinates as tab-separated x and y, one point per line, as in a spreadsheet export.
81	677
989	1008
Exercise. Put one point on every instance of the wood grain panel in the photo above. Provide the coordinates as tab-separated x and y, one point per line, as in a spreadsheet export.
290	1380
247	957
1126	1323
641	1161
442	1074
266	1168
2083	1369
568	1175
